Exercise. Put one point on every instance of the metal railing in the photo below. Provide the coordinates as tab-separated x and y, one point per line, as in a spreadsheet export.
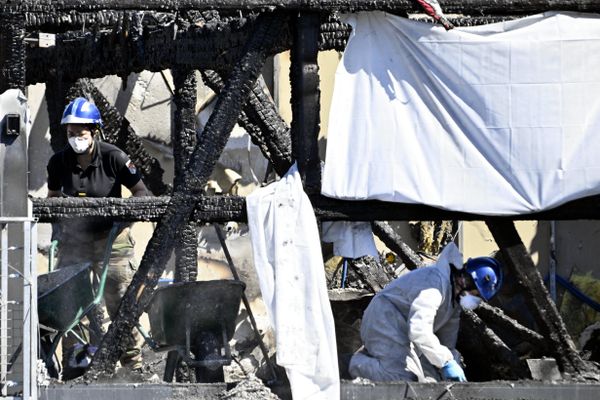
18	308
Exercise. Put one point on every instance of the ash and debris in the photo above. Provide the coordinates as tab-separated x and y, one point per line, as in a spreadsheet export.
43	377
250	388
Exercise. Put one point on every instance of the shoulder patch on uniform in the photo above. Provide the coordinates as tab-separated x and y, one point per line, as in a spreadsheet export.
131	167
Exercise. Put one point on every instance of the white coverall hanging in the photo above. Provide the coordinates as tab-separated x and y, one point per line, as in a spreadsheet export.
411	326
289	264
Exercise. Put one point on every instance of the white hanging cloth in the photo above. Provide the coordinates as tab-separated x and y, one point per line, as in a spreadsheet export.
287	257
497	119
350	239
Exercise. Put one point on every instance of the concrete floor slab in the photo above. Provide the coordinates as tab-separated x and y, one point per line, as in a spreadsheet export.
522	390
473	391
133	391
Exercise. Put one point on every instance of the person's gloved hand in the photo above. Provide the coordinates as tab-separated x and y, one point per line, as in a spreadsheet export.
451	371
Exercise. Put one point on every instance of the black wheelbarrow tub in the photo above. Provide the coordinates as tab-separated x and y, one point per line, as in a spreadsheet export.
62	294
199	306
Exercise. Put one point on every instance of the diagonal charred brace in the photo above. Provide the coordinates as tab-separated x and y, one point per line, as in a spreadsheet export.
491	314
503	361
394	242
519	263
262	121
202	162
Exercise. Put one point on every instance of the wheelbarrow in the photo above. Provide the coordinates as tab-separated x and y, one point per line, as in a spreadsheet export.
195	321
65	297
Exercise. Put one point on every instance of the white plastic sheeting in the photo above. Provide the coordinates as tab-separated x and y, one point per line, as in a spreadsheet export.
498	119
289	264
350	239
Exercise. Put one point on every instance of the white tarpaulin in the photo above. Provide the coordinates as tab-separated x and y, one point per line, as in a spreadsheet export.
495	119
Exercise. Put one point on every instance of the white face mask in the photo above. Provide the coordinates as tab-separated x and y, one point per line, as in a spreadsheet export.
470	302
79	144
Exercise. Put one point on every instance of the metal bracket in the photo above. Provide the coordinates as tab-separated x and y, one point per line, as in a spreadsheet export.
43	40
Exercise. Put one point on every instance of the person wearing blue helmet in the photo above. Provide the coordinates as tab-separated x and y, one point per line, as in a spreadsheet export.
410	328
88	167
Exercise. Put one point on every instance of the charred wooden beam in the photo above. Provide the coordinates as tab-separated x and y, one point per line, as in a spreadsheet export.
210	145
334	34
518	262
450	6
371	272
120	49
207	208
304	76
329	209
132	47
56	94
491	314
12	52
500	361
394	242
260	118
183	138
231	208
119	132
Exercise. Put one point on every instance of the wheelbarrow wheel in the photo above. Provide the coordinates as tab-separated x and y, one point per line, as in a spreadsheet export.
207	346
207	375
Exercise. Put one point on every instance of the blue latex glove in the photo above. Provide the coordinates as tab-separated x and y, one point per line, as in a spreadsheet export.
451	371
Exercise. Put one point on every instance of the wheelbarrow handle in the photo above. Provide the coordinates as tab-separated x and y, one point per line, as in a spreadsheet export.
114	232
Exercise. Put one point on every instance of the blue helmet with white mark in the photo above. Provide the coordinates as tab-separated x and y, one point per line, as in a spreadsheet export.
487	275
81	111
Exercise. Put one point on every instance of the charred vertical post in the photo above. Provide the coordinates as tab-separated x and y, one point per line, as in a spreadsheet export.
12	52
183	138
202	161
519	263
56	100
304	76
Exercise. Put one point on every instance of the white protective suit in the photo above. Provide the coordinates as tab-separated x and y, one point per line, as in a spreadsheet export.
411	325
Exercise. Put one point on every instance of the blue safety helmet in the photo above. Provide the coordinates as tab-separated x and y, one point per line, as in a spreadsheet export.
81	111
487	275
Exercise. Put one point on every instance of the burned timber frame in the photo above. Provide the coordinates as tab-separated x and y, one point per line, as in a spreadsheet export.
228	41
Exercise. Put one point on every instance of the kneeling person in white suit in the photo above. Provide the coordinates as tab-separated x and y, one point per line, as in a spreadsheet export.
409	329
